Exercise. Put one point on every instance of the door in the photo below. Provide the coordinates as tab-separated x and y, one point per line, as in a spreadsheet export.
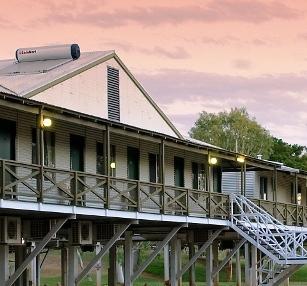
133	163
179	172
77	153
7	139
7	148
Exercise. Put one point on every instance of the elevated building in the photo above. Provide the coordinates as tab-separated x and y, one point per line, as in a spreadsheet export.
87	157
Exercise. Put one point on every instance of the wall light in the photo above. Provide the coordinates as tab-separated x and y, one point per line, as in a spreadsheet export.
47	122
113	165
213	161
241	159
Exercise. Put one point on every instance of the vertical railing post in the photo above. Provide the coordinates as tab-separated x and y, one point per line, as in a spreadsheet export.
275	192
40	153
187	202
107	155
75	188
2	178
138	189
162	175
208	178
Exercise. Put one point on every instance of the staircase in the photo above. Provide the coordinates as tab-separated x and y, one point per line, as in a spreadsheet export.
282	248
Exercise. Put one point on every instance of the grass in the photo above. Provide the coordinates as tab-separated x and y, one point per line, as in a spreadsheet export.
153	275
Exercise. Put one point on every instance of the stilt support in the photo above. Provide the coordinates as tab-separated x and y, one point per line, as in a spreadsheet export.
112	266
285	274
128	259
201	250
102	252
154	254
228	257
4	263
166	264
36	251
73	265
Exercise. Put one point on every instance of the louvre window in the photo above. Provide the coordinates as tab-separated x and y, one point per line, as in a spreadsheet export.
113	94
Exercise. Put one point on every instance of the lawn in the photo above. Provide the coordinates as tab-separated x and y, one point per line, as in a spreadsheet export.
153	276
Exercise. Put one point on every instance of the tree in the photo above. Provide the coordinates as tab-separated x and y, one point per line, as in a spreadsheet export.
291	155
233	129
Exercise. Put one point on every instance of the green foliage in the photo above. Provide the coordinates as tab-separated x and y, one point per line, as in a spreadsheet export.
225	128
291	155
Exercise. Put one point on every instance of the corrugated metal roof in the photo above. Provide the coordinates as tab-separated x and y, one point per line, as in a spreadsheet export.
22	78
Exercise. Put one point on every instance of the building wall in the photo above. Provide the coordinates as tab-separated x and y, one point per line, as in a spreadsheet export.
87	93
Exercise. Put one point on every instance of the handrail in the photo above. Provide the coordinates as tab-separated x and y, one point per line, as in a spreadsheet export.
23	181
265	231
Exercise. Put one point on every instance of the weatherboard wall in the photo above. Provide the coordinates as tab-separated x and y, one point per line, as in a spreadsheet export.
87	93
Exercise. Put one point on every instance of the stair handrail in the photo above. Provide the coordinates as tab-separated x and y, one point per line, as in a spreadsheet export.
266	228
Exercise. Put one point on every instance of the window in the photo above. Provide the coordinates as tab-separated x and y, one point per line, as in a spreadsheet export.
113	93
198	176
99	158
298	198
217	179
49	148
154	168
133	155
113	160
179	171
263	188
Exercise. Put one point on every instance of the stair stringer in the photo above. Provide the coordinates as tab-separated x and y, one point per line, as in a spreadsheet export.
266	233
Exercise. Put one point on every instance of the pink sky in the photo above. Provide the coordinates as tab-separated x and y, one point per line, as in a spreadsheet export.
190	55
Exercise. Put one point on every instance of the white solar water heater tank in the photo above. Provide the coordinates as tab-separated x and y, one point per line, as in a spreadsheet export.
71	51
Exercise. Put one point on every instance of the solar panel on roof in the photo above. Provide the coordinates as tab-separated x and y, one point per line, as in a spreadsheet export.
33	67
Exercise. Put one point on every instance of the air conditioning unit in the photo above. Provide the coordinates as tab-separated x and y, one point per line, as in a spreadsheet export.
103	232
37	229
10	230
81	233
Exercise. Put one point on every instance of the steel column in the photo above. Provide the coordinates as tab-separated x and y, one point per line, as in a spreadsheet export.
98	265
4	263
215	252
173	262
128	258
64	255
254	260
166	264
33	263
247	264
209	264
238	268
112	266
73	265
191	254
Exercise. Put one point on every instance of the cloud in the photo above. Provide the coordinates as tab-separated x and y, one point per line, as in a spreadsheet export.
248	11
277	101
242	64
178	53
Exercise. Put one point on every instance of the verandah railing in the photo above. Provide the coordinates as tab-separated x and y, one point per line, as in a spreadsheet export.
28	182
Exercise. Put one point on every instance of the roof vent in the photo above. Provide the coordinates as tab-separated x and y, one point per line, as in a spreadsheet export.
48	53
259	156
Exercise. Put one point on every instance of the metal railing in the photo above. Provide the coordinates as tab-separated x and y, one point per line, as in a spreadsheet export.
278	241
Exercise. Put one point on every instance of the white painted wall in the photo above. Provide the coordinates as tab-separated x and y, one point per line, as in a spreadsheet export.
87	93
